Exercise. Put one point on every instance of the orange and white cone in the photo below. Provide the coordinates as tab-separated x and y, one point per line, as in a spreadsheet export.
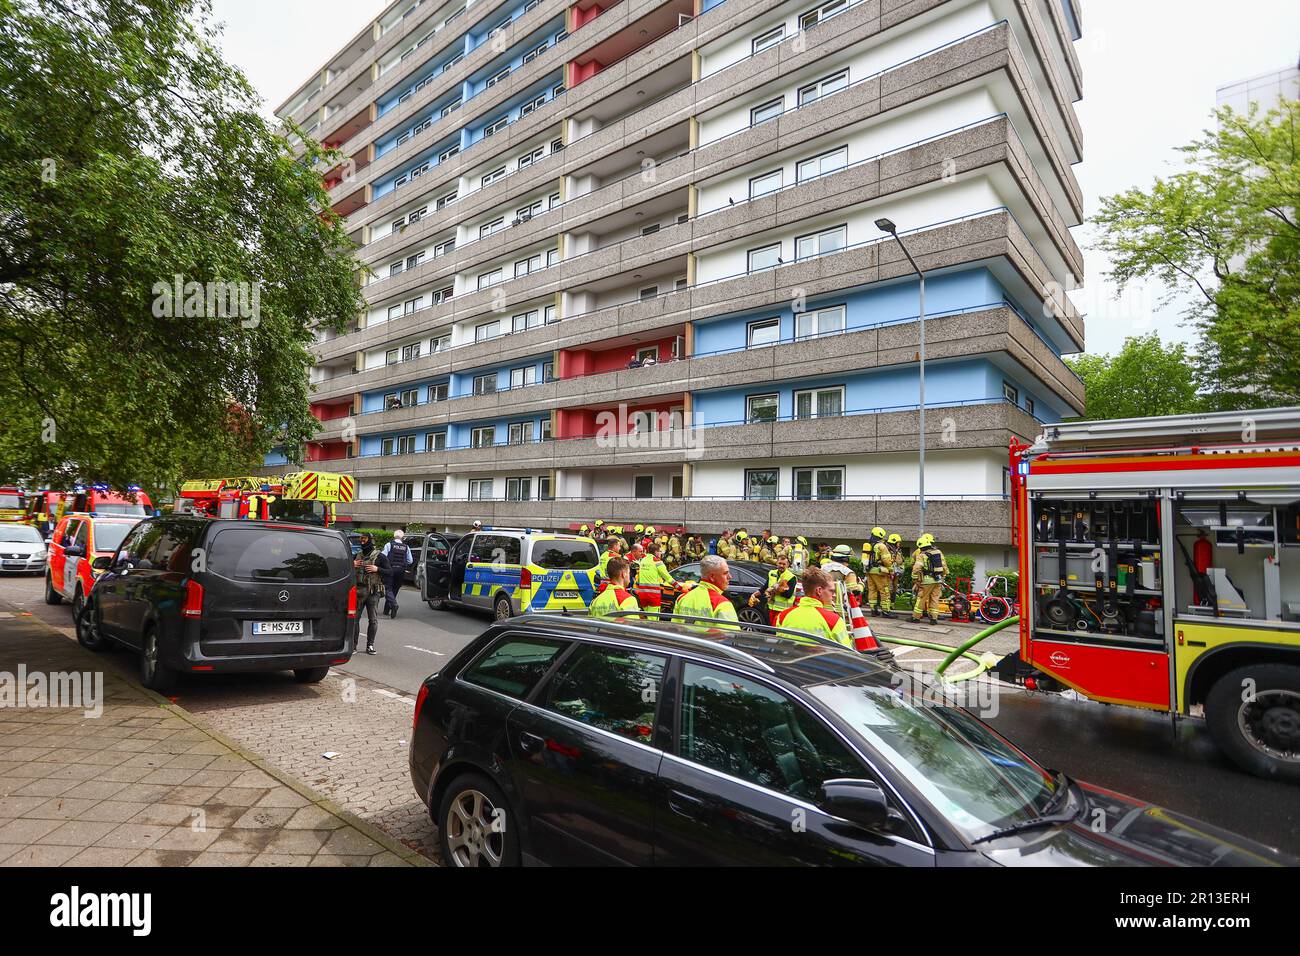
863	638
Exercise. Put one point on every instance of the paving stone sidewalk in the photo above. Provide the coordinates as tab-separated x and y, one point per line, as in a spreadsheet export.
146	783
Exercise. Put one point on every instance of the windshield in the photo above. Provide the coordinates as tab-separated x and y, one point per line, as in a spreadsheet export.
13	502
109	534
298	510
968	773
565	555
20	534
121	508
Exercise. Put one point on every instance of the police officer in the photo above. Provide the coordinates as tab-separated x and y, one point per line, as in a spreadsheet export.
879	567
399	559
707	599
780	589
614	594
815	611
928	568
371	571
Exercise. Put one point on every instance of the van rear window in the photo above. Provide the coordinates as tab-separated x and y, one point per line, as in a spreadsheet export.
565	555
266	554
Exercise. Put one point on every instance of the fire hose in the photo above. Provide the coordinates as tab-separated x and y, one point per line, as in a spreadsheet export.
984	662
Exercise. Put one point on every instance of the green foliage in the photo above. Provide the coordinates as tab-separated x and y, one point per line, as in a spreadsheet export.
1225	229
1145	378
1008	588
130	154
380	537
959	566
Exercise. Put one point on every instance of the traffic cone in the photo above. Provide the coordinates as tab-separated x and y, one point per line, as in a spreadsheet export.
863	638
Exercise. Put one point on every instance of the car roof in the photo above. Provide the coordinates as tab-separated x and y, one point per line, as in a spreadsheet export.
801	664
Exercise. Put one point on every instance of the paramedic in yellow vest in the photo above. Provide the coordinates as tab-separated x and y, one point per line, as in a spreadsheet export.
614	594
780	589
615	550
707	599
879	567
768	553
651	578
815	612
929	568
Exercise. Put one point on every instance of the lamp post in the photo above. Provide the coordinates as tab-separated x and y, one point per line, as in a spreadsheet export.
887	225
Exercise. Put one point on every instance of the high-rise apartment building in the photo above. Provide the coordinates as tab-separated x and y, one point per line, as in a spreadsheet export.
624	262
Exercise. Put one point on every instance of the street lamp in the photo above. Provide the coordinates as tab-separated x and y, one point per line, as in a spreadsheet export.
887	225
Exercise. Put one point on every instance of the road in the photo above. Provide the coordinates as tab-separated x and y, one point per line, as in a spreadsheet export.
1115	747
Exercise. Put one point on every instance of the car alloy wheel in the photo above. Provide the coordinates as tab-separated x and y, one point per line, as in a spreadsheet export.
504	611
472	838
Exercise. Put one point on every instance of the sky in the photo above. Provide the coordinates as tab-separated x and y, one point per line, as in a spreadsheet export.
1150	72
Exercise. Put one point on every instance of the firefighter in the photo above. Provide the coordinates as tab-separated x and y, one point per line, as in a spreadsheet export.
780	590
726	549
615	550
614	594
676	554
695	548
880	568
799	554
815	611
841	573
708	598
584	531
768	553
928	568
651	578
896	579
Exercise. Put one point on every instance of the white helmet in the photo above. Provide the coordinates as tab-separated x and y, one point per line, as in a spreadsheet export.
478	525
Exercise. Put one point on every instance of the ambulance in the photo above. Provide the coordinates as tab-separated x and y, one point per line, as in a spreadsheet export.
1160	569
513	571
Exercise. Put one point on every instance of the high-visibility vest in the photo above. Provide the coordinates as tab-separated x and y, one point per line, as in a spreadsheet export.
705	600
814	617
777	580
612	599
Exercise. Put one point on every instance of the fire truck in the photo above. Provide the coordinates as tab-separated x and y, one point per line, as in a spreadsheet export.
13	504
305	497
1160	569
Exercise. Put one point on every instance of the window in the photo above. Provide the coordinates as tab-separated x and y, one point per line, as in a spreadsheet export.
766	111
762	408
770	38
643	486
442	248
391	357
557	90
410	352
386	446
766	183
551	314
446	200
531	264
557	145
521	433
652	352
406	444
403	138
489	278
821	165
650	230
612	689
1011	393
483	437
739	727
649	292
532	105
552	257
764	258
413	305
528	159
440	344
438	393
819	322
435	441
824	12
1029	405
523	377
823	87
536	51
410	397
488	228
761	483
485	384
676	486
519	489
442	295
395	311
819	484
492	176
404	491
764	332
525	321
385	491
515	665
548	375
448	110
395	268
480	489
819	402
434	490
495	127
544	488
496	78
820	243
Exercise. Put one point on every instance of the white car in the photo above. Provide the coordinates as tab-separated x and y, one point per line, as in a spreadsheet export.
22	549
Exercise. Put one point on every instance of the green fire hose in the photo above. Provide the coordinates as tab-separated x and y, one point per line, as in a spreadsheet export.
983	662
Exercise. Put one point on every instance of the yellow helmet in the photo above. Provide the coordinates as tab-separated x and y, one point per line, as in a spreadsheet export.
925	541
639	528
583	530
895	539
600	522
878	533
773	540
742	535
802	540
650	529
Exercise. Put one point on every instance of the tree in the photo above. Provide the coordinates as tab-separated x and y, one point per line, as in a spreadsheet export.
1145	378
1225	228
134	164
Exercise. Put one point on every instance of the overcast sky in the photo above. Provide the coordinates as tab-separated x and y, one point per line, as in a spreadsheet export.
1150	71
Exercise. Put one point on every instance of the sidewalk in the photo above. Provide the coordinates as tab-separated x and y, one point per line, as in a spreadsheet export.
145	783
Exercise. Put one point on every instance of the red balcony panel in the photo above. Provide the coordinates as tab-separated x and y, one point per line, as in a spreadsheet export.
327	411
578	362
327	451
582	17
617	420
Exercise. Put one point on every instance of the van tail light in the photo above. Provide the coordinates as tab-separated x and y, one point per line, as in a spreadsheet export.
352	602
525	579
193	606
419	704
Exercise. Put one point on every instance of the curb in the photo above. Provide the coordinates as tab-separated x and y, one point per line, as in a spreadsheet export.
372	832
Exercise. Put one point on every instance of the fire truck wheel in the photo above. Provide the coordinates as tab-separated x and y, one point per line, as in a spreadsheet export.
1253	714
51	596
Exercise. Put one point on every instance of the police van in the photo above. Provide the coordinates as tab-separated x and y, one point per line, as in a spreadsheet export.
512	571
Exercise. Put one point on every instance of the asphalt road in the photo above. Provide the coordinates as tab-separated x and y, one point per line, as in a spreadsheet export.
1119	748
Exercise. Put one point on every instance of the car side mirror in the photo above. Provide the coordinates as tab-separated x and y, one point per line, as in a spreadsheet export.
75	551
102	563
858	801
